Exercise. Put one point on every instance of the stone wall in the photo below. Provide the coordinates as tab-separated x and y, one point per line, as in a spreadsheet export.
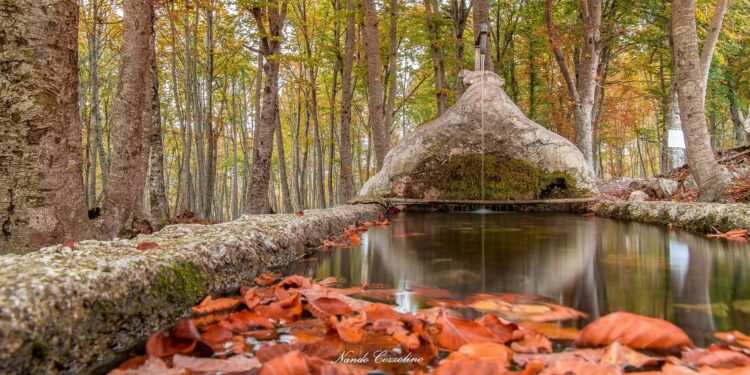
78	310
697	217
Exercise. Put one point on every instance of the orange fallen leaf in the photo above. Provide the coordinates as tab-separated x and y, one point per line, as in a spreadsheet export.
581	367
635	331
299	213
503	331
265	279
291	363
487	351
349	328
246	320
715	356
734	337
234	364
287	309
456	332
69	244
738	234
552	330
532	342
324	307
210	305
147	246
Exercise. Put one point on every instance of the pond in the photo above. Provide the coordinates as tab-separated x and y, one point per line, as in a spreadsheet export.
592	264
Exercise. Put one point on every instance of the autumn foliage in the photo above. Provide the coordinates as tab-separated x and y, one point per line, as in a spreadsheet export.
294	325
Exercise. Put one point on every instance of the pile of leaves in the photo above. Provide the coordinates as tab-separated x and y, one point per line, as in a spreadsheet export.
294	325
351	233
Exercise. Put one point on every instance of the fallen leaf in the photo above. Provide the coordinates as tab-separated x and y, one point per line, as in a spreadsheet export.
490	352
295	281
349	328
216	334
617	354
635	331
210	305
299	213
553	331
152	366
147	246
287	309
324	307
71	244
734	337
291	363
715	356
738	234
580	367
469	366
328	282
161	344
532	342
378	311
503	331
234	364
265	279
246	320
558	312
456	332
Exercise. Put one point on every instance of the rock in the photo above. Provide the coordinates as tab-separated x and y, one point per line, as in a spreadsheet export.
637	196
442	159
661	188
699	217
689	183
79	310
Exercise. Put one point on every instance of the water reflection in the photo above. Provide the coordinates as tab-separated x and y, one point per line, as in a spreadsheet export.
593	264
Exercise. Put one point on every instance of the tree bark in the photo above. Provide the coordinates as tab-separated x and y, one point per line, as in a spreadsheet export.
273	14
436	49
211	135
381	136
42	200
391	76
459	14
346	178
285	194
711	180
159	207
127	177
582	87
482	15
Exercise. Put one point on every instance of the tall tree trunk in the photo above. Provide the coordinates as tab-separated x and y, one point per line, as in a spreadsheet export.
711	179
436	48
482	15
391	76
285	194
346	179
211	135
582	88
42	200
127	178
459	14
95	139
275	13
381	136
320	199
157	193
185	189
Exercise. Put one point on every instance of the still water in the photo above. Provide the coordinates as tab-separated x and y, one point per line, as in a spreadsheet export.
592	264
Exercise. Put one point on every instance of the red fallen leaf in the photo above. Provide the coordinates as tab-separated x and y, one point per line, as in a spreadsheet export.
490	352
69	244
503	331
152	366
315	293
261	334
161	344
349	328
553	331
469	366
635	331
715	356
295	281
532	342
738	234
292	363
147	246
287	309
409	234
617	354
581	367
234	364
558	313
210	305
395	328
324	350
393	210
185	329
354	239
251	299
324	307
456	332
734	337
379	311
328	282
246	321
265	279
216	334
299	213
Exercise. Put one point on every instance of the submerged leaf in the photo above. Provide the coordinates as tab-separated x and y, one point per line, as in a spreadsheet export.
635	331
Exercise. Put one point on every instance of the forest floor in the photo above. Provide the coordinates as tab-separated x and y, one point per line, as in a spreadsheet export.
736	160
295	325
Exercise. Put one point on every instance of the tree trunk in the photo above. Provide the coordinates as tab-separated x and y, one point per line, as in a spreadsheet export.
211	136
436	49
285	194
381	136
257	197
156	189
42	200
711	180
482	15
459	15
127	178
346	179
391	76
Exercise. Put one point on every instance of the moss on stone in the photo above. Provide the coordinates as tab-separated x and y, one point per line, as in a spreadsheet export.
182	284
39	350
505	179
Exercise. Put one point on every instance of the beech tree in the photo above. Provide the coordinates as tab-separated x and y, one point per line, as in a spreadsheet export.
269	19
346	188
131	119
711	179
381	135
42	199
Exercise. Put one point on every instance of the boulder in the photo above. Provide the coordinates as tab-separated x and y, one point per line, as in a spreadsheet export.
444	158
638	196
661	188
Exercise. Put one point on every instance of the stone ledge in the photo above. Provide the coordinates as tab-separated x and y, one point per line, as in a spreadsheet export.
78	310
697	217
